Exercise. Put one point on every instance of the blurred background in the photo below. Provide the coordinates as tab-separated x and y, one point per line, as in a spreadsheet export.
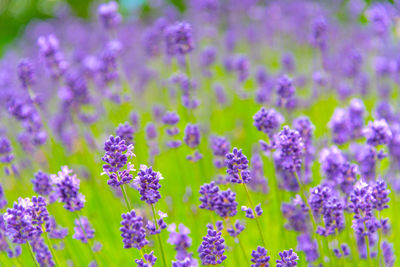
16	14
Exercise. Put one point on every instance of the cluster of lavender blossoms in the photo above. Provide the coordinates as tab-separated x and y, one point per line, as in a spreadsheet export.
66	187
116	157
161	77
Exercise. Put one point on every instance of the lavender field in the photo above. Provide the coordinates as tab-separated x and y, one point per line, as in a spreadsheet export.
225	133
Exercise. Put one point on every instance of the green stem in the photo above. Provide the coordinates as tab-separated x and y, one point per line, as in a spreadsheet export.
313	221
49	243
158	236
379	241
255	215
243	251
368	251
84	234
33	255
126	198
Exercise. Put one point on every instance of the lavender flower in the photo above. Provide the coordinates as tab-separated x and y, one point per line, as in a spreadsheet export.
285	91
297	216
42	252
149	260
133	232
209	194
179	39
211	250
259	257
55	231
51	54
377	133
308	246
361	204
181	240
67	189
83	230
147	183
288	258
268	121
220	147
380	195
237	167
225	203
26	220
151	131
235	229
249	212
125	131
241	66
340	126
258	180
192	135
26	73
290	148
356	113
42	183
116	157
6	155
388	254
305	127
332	160
109	16
3	200
170	118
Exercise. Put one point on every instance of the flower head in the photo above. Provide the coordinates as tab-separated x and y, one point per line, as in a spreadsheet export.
109	16
212	248
132	231
237	167
179	39
290	148
192	135
42	183
148	184
377	133
268	121
83	230
67	189
259	257
288	258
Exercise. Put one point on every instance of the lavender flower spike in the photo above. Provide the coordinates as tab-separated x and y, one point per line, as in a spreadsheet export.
148	183
288	258
212	248
260	258
83	230
237	167
148	261
116	157
179	39
67	189
377	133
268	121
133	232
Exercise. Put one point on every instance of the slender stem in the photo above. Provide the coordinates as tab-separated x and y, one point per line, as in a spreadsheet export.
313	221
368	251
255	215
49	243
276	193
33	255
126	198
379	240
242	248
84	234
158	235
187	65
